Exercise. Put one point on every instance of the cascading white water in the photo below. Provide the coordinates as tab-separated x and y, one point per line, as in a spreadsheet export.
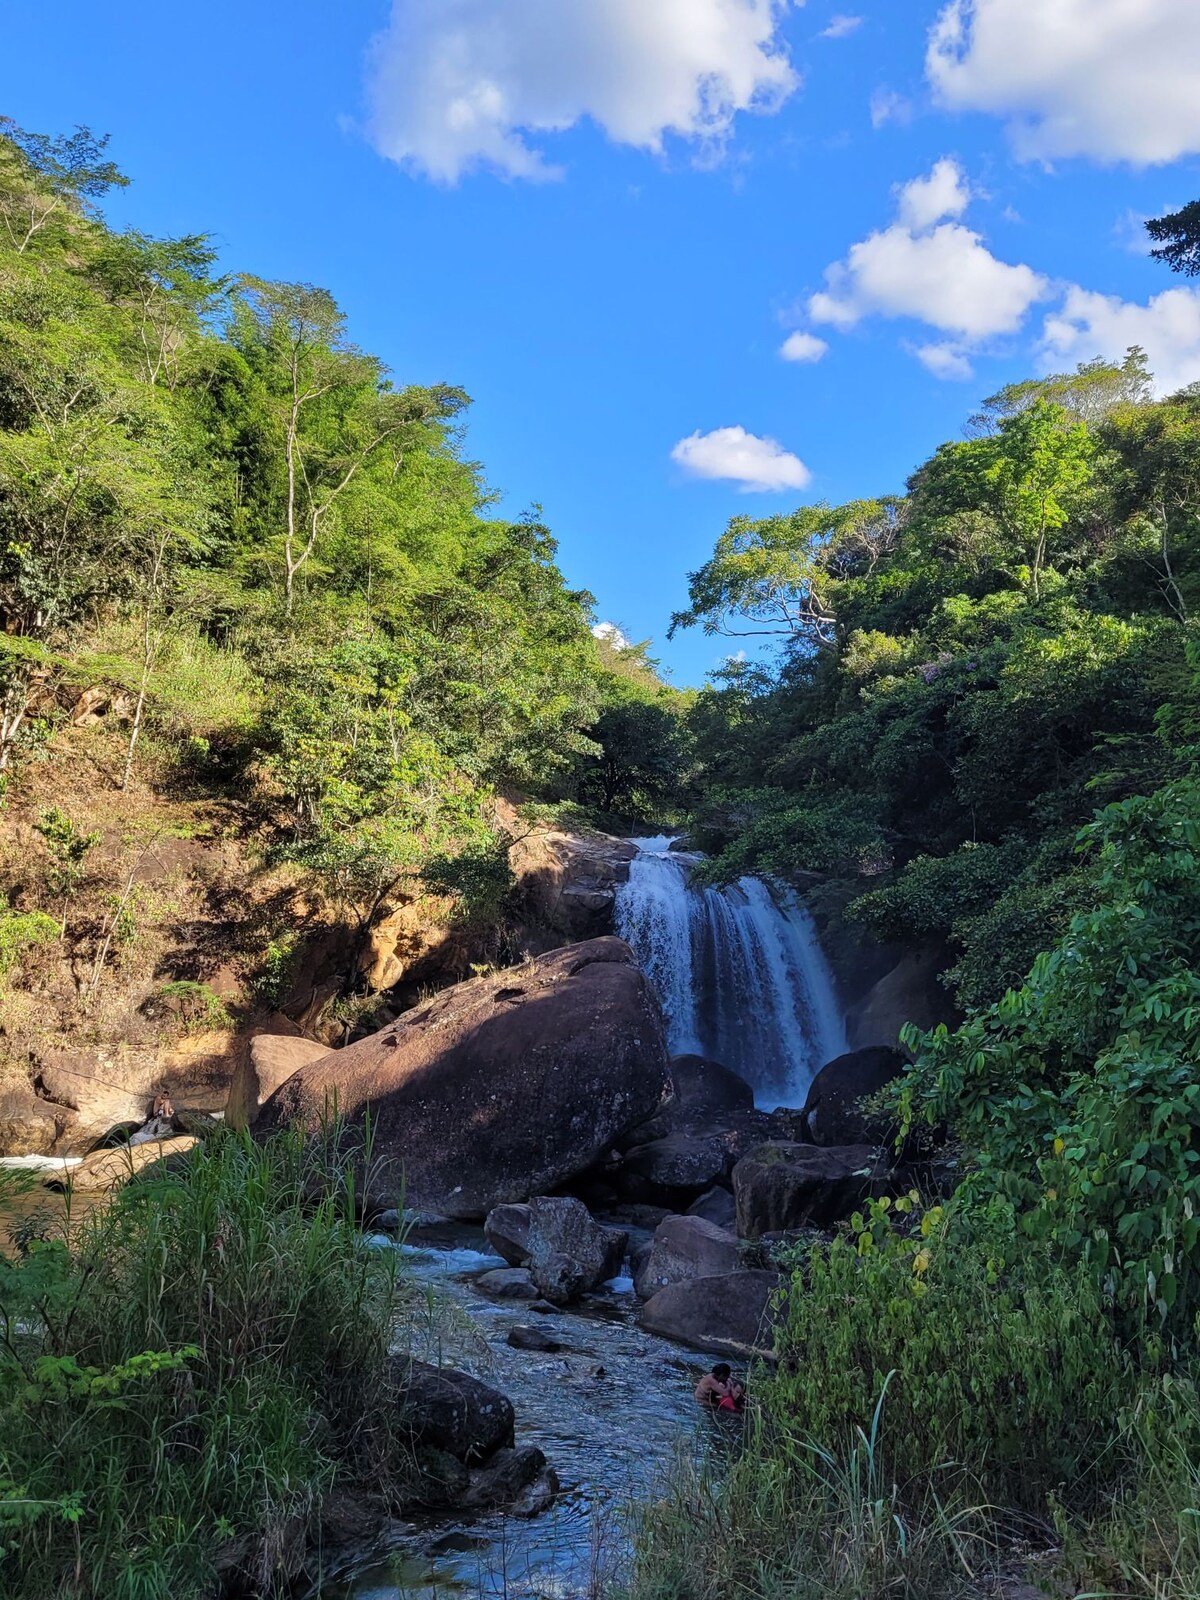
739	972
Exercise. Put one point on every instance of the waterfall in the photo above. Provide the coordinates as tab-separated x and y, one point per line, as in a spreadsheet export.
739	972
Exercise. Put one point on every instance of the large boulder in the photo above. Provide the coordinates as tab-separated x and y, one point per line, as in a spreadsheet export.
104	1171
499	1088
686	1247
715	1205
834	1112
782	1186
570	1253
680	1162
440	1408
270	1061
729	1315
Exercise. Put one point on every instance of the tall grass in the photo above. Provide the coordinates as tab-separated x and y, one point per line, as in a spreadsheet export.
183	1381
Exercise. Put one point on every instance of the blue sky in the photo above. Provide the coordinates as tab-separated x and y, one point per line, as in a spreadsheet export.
605	217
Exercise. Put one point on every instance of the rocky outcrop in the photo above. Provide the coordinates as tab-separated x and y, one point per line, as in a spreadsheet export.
567	881
835	1113
106	1170
704	1088
783	1186
269	1063
728	1315
680	1162
686	1247
715	1205
501	1087
569	1253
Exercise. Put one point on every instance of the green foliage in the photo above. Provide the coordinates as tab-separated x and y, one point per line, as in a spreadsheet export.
21	931
191	1003
1177	236
1077	1093
201	1363
480	880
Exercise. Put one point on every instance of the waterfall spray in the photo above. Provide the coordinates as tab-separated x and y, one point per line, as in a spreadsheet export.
739	972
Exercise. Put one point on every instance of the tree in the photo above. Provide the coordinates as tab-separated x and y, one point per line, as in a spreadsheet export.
41	175
778	576
1092	392
638	767
1178	237
334	406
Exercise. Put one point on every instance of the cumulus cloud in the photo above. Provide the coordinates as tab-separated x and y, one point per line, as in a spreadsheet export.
612	635
1167	327
1111	79
840	27
800	346
467	83
944	360
939	272
734	455
944	193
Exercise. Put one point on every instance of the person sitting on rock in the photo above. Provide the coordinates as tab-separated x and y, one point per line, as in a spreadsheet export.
719	1391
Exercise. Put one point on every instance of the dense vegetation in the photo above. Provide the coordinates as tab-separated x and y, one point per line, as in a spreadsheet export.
985	717
183	1384
277	560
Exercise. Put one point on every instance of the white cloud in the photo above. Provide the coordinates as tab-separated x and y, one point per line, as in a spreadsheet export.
944	193
944	360
840	27
947	278
800	346
888	106
1112	79
459	84
739	457
1088	324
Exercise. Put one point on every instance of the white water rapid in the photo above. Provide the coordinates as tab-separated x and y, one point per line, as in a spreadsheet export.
739	972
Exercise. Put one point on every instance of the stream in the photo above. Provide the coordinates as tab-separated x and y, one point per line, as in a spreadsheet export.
609	1413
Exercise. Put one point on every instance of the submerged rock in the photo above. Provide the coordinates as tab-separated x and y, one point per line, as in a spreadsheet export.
500	1482
524	1338
726	1315
498	1088
507	1283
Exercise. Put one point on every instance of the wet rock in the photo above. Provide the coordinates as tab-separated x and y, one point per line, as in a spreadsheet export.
679	1162
523	1338
500	1087
257	1563
726	1315
346	1518
199	1124
783	1186
686	1247
507	1283
505	1476
715	1205
442	1480
569	1252
703	1087
443	1409
834	1113
507	1231
538	1496
635	1216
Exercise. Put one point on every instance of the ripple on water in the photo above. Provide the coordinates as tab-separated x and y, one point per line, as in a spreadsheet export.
610	1411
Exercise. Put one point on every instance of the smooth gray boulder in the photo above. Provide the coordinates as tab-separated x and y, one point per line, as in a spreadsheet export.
569	1252
686	1247
729	1315
507	1231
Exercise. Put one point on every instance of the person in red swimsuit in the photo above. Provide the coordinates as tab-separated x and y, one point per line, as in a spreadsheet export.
718	1390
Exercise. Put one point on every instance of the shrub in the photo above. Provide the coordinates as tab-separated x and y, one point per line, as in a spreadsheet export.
201	1362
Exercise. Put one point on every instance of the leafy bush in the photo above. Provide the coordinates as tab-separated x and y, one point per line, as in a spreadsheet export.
199	1363
1078	1094
21	931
